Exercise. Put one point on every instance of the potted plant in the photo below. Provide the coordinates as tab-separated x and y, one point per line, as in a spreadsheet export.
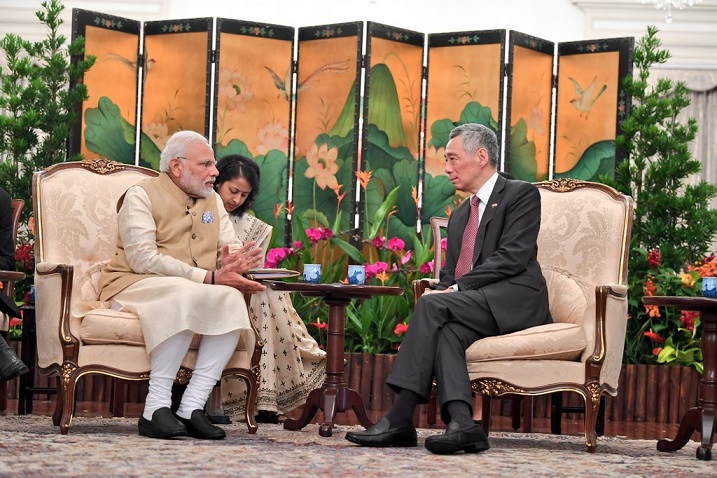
40	93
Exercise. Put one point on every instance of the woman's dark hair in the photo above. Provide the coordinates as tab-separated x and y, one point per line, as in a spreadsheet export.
238	166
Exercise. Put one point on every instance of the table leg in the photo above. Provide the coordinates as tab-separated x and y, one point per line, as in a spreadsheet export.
702	417
333	396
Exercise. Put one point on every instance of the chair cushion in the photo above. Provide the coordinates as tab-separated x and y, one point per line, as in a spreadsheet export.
545	342
564	339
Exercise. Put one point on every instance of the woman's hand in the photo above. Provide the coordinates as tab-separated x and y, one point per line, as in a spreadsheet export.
242	259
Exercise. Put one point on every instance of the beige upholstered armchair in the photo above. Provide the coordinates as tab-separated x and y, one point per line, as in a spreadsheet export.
76	232
583	248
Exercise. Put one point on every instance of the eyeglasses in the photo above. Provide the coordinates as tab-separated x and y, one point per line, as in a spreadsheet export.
206	164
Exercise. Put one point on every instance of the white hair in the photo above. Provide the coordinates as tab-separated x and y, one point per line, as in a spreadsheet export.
177	146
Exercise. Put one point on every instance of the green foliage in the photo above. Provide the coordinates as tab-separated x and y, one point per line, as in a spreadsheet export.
40	90
671	215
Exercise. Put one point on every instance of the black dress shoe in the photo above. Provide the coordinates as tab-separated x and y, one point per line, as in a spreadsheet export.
10	365
264	416
219	419
162	425
471	439
381	435
199	426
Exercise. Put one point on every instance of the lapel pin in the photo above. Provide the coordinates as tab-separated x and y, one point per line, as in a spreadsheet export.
494	205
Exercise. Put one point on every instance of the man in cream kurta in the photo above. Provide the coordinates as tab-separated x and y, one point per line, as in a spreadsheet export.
172	231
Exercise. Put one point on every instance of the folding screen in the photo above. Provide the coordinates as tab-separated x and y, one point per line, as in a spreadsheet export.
529	107
327	110
464	85
391	126
176	83
591	104
107	128
252	114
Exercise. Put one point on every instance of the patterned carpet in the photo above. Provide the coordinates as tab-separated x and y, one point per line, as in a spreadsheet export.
30	446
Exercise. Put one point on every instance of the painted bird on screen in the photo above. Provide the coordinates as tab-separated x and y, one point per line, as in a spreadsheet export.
282	84
586	98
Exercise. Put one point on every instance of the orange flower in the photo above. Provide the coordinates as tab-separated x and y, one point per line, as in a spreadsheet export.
414	195
652	310
290	208
318	324
448	211
337	189
364	177
31	225
650	288
400	329
277	210
383	277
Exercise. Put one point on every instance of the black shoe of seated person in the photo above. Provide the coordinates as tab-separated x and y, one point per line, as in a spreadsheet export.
10	365
382	435
199	426
470	439
163	425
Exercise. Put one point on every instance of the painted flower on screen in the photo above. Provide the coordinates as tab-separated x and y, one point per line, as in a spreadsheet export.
234	90
273	135
322	166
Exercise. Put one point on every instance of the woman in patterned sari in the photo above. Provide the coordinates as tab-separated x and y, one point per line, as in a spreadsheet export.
292	364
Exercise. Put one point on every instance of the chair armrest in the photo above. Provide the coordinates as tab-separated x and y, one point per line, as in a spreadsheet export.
56	342
610	322
420	286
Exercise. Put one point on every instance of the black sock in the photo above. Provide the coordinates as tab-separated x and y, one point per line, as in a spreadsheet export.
459	412
401	412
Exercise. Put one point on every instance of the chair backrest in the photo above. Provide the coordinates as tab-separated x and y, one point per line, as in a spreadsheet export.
585	229
75	207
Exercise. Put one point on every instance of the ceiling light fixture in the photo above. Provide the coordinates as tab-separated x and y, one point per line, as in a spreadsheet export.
669	5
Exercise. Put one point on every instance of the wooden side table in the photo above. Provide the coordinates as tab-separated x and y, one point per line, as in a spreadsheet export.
333	395
702	417
28	354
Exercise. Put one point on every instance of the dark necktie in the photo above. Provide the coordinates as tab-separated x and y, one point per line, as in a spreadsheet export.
465	259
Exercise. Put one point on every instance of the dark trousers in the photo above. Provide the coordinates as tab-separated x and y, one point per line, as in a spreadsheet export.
442	327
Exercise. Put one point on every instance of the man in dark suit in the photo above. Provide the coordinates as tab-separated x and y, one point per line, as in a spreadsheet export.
491	284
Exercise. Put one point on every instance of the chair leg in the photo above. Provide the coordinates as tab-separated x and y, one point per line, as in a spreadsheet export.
68	403
528	403
59	403
250	408
117	400
515	403
432	409
556	412
486	413
600	425
591	412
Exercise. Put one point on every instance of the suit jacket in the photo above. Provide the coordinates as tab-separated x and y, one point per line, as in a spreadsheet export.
505	264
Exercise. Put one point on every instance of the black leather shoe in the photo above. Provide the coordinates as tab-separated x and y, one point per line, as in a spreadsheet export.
471	439
199	426
162	425
381	435
10	365
219	419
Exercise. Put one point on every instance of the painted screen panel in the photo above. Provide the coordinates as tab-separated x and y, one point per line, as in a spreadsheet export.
464	85
327	109
175	93
529	107
252	116
391	129
109	116
591	104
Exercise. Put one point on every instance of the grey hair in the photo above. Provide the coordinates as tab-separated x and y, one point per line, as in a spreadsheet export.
476	136
177	146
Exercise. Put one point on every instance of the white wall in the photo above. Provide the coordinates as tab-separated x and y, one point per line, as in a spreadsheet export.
555	20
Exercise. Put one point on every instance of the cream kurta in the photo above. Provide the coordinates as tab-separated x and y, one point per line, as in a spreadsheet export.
292	364
173	297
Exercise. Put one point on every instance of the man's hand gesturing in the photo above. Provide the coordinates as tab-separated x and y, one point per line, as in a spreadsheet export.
235	264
